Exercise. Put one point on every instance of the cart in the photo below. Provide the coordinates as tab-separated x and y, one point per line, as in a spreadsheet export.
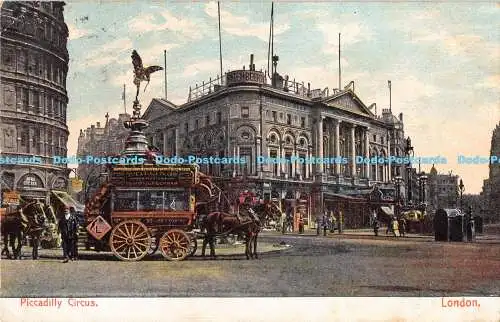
144	208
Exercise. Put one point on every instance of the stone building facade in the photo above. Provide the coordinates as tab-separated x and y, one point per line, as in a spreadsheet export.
99	141
491	186
442	190
33	102
247	118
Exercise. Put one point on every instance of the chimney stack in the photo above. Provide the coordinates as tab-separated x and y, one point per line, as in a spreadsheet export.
401	117
252	65
98	125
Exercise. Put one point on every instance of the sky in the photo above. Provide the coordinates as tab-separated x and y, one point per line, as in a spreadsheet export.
442	60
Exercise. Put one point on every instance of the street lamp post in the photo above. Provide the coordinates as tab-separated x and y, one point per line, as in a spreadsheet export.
422	184
461	188
408	150
398	180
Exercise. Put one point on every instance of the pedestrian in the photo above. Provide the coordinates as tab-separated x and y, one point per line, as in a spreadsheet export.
68	227
395	227
301	223
325	223
74	236
375	227
339	222
318	224
402	226
334	223
283	223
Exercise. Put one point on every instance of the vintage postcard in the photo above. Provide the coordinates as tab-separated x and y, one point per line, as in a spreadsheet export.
250	161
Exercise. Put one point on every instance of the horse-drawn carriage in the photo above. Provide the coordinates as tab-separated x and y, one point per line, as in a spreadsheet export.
147	207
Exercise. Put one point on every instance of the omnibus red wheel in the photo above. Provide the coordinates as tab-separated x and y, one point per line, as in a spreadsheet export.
175	245
130	240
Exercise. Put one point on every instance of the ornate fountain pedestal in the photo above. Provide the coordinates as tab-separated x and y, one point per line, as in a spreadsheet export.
137	143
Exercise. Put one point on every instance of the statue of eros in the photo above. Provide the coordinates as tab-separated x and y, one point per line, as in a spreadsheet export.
140	73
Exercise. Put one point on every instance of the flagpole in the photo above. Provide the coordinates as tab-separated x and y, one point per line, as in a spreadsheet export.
220	41
165	64
124	100
390	98
340	80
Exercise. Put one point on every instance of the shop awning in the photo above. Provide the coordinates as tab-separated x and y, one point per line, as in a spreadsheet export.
388	211
68	201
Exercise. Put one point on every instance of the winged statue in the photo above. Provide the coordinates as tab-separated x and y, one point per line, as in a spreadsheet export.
141	73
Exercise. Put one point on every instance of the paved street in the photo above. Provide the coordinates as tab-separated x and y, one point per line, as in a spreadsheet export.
346	265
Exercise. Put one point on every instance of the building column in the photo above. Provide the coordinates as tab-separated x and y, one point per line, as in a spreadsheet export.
235	167
258	153
176	140
281	155
308	164
389	157
331	137
165	140
367	153
337	145
319	144
294	163
353	150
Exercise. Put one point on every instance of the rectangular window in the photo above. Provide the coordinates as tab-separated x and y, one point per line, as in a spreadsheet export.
246	154
221	155
281	116
207	120
49	71
25	99
275	116
288	156
289	119
303	122
219	118
274	154
36	101
245	113
196	123
186	127
374	138
303	170
24	138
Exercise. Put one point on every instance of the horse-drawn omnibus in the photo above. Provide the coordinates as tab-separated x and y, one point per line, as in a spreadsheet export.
145	207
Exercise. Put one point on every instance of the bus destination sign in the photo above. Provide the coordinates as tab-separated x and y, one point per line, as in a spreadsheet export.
153	176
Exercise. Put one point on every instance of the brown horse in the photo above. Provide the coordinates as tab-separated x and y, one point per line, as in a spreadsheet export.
29	220
221	223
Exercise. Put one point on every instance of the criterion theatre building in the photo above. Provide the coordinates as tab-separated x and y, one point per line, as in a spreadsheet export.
283	131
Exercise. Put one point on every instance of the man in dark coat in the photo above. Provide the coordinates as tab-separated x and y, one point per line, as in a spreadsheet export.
68	226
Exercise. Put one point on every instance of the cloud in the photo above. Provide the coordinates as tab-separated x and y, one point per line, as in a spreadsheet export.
165	20
201	67
75	32
462	44
490	82
154	55
241	26
109	53
351	33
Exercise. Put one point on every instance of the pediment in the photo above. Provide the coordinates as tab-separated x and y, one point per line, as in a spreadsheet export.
158	109
349	102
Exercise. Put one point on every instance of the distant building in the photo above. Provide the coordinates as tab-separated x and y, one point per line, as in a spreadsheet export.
442	190
33	71
98	141
491	186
